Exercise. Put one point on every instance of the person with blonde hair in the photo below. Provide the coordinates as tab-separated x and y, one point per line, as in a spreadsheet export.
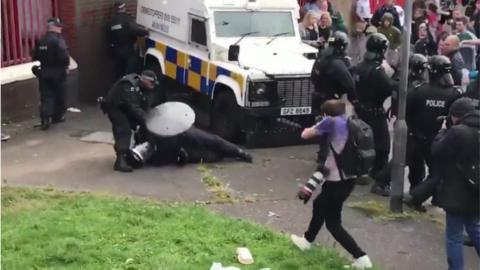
308	28
325	30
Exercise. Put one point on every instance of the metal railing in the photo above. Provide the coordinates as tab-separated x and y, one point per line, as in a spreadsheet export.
23	23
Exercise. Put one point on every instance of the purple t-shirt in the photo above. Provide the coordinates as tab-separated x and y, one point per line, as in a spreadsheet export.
336	129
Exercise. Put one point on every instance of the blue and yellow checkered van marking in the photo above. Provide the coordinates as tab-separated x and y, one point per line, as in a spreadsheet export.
192	71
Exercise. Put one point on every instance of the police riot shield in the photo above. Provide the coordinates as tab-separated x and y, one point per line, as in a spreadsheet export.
170	119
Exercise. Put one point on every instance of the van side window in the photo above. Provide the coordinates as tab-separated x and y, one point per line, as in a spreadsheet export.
198	33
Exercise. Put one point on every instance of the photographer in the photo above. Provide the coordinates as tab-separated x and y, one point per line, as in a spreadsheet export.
455	150
335	183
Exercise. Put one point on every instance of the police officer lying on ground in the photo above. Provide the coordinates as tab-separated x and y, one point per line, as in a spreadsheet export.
126	105
122	34
52	52
332	79
373	88
192	146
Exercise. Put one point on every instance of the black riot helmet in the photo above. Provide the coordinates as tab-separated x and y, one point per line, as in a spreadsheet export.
377	43
439	67
339	41
417	65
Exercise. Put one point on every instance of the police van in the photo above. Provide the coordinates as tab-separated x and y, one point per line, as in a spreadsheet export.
245	57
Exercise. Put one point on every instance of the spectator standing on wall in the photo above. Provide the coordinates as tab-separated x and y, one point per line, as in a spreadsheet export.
387	7
308	28
325	30
461	29
425	44
394	37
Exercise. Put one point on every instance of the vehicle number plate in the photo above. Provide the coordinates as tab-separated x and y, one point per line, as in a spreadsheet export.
296	110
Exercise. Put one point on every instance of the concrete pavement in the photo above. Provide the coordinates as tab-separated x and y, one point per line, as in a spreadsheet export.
59	159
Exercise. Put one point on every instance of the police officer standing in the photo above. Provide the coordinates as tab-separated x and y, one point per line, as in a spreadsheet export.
126	106
122	35
331	78
373	88
330	73
52	52
425	104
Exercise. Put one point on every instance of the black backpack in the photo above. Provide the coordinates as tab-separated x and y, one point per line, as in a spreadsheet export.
358	155
470	169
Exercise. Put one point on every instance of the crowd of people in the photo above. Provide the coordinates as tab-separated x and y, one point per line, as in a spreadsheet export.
362	63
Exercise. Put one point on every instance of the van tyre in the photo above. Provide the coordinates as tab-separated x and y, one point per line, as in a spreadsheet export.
225	120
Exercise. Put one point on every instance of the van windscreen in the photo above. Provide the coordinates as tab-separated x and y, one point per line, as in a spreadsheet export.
259	23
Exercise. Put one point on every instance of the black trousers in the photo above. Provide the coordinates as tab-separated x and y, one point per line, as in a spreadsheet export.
125	62
200	145
327	208
377	120
52	86
415	162
421	155
122	127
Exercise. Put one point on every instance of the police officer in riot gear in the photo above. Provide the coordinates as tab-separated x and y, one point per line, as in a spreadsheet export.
332	78
330	73
417	67
126	105
122	34
52	52
425	104
373	88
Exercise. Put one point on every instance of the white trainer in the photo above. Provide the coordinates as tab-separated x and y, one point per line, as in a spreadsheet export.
301	242
361	263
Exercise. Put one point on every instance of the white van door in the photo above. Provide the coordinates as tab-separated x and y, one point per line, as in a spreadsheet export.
197	62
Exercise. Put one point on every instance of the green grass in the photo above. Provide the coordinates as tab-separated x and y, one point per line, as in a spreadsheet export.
46	229
379	211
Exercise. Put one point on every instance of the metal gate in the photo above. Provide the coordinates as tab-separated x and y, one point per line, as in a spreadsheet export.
23	22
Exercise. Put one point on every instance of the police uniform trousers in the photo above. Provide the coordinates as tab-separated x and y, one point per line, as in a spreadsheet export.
125	61
377	120
415	164
207	147
420	156
52	85
122	127
200	145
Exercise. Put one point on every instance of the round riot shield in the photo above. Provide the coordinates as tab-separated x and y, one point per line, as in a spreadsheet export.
170	119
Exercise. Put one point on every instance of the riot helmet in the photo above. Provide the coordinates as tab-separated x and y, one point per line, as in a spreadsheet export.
377	43
417	65
439	68
339	41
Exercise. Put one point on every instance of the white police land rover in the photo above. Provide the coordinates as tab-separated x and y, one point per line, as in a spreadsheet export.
245	56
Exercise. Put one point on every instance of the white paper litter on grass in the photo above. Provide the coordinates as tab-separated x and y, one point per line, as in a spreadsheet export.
98	137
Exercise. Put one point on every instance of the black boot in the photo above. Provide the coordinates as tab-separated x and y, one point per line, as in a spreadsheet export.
182	157
381	189
245	156
121	164
58	119
45	124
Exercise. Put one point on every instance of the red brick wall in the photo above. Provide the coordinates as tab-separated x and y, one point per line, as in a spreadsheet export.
88	44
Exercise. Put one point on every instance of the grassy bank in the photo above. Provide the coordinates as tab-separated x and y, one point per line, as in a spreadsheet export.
46	229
